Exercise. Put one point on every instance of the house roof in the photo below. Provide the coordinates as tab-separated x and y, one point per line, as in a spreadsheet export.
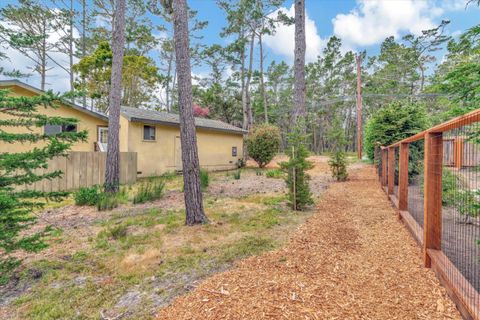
14	82
135	114
151	116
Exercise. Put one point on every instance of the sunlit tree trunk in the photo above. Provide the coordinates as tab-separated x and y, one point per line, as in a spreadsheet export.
299	109
112	174
190	163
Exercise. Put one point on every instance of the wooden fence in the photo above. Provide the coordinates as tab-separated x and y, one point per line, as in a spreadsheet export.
439	151
84	169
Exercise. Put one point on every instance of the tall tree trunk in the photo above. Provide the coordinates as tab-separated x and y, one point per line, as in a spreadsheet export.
244	95
70	46
84	45
190	163
248	100
112	174
299	63
262	80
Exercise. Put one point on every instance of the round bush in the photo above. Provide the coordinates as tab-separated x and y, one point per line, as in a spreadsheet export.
263	143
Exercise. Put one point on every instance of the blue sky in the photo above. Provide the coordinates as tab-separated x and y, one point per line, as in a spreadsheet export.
362	25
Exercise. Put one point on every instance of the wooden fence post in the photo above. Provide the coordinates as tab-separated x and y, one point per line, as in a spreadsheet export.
403	177
458	151
432	206
384	167
391	170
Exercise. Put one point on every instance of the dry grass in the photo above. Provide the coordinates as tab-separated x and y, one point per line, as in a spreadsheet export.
130	261
352	260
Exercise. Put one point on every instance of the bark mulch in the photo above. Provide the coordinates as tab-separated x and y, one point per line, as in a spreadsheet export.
353	259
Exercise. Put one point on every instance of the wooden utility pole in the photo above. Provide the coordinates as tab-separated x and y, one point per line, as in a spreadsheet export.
358	58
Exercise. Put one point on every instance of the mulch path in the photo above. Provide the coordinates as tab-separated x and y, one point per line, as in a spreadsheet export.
353	259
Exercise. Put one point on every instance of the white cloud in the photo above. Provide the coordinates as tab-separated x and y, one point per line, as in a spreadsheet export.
374	20
283	41
57	79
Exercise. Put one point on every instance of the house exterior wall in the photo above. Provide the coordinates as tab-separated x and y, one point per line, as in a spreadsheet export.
86	122
162	155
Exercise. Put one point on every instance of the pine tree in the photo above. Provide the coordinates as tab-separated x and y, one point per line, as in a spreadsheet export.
19	169
297	179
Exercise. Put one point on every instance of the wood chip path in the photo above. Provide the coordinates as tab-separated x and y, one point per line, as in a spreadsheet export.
353	259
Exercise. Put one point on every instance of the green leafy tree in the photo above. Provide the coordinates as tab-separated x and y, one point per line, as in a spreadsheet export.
139	77
458	76
297	179
263	143
18	169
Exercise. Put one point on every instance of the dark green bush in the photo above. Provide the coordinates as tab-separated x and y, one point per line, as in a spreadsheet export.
394	122
262	143
87	196
338	166
149	190
204	179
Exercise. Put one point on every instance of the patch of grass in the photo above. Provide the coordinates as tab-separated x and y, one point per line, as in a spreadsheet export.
263	220
247	246
274	173
204	179
149	190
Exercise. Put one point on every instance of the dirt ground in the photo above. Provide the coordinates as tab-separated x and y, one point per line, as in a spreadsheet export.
352	259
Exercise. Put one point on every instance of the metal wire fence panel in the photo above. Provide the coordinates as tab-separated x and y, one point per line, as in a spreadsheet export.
395	182
415	181
460	239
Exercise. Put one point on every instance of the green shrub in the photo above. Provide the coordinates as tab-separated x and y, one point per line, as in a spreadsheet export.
297	179
107	201
87	196
204	179
394	122
338	166
263	143
274	173
236	175
151	189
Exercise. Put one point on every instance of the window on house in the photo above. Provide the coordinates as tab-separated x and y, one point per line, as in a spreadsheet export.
52	129
149	133
234	151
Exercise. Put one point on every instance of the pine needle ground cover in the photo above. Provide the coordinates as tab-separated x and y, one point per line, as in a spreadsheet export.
136	258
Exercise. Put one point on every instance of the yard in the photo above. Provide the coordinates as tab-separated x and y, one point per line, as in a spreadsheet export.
135	259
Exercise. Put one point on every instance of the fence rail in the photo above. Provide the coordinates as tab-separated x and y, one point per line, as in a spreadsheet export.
84	169
433	178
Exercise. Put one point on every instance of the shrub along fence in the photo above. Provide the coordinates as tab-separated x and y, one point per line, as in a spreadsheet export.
84	169
433	178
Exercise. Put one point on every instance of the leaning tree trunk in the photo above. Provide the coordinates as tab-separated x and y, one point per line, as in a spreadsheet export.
188	138
248	101
112	174
299	109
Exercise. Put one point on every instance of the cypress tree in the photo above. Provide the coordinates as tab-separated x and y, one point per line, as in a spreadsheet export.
22	123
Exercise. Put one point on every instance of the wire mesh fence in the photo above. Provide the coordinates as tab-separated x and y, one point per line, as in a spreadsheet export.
460	240
415	180
443	160
395	174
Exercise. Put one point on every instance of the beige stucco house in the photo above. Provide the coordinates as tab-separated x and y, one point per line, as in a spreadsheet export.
153	135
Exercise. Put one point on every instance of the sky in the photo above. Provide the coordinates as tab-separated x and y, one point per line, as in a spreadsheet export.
361	24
